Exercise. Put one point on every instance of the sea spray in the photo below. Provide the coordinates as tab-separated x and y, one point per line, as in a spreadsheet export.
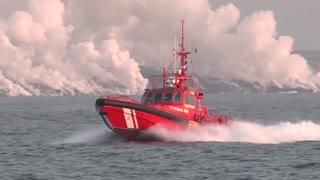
93	135
242	131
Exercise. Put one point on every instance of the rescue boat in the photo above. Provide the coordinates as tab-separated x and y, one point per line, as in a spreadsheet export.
173	100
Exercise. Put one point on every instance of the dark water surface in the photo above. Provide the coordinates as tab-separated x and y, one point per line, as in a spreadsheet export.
278	137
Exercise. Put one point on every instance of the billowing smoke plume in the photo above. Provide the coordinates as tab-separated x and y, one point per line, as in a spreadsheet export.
38	57
72	47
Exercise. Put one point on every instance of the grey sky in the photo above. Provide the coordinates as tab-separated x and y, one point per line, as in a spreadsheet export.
296	18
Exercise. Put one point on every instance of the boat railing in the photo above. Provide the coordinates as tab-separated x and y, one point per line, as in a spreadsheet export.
121	97
114	96
171	79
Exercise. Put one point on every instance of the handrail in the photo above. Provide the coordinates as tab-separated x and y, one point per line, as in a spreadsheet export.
120	97
159	81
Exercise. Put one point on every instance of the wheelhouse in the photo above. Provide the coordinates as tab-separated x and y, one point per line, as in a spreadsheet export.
171	96
163	90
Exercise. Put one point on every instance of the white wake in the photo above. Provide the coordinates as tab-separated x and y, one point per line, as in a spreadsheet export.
93	135
241	131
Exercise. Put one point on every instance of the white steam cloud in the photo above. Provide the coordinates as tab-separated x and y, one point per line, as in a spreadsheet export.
38	57
69	47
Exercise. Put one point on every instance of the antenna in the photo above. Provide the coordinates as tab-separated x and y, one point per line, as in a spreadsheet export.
191	67
180	75
175	48
164	64
190	60
182	53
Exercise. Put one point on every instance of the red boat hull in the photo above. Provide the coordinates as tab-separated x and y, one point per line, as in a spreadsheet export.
130	120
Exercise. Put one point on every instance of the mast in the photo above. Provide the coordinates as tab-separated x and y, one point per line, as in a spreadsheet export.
175	47
183	63
182	50
180	75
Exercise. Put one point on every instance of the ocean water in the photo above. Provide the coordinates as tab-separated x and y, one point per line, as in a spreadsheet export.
275	136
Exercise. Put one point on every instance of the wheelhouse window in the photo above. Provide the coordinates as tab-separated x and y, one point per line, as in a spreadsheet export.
167	97
185	98
177	97
148	98
157	97
199	104
189	99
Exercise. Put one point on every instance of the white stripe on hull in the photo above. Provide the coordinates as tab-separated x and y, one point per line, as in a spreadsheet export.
135	118
128	117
